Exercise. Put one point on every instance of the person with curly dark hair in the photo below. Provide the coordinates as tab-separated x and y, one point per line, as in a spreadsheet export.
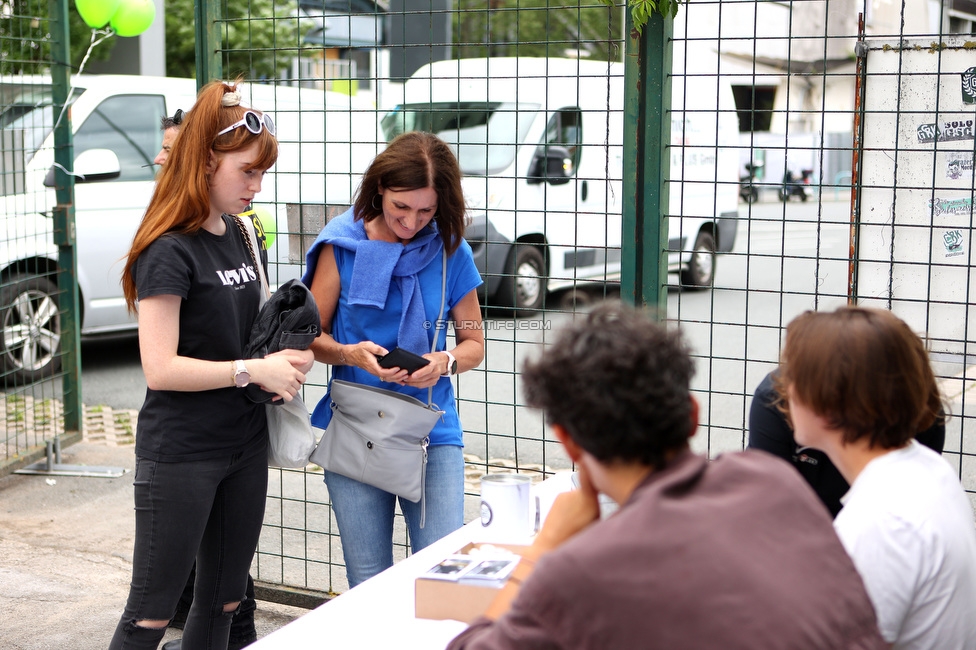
736	552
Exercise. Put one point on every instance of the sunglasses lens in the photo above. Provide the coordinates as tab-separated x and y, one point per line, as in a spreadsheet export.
252	122
178	116
269	124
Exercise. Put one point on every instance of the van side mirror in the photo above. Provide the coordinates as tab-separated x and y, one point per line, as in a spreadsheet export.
90	166
552	164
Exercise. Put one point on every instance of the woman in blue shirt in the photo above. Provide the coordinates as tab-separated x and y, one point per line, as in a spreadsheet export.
376	274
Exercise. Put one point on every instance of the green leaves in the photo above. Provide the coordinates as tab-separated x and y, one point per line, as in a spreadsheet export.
260	38
641	10
25	38
536	28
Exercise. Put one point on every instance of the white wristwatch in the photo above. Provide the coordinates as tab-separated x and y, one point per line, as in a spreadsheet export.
241	376
451	365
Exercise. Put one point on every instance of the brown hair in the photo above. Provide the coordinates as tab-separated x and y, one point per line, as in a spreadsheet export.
413	161
181	200
863	370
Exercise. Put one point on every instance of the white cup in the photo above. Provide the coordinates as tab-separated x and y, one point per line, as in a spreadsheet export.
505	513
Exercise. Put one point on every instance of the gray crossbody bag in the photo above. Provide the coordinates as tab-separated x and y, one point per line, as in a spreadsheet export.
380	437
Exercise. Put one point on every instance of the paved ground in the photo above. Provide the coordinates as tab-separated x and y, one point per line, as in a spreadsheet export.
66	554
66	544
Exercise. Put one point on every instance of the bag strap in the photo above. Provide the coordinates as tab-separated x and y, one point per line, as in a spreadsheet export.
252	245
440	317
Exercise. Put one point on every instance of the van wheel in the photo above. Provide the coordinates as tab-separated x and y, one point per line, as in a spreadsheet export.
701	268
31	328
524	286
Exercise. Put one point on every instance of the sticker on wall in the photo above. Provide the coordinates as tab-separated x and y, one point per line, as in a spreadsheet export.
969	86
946	131
951	206
959	165
953	242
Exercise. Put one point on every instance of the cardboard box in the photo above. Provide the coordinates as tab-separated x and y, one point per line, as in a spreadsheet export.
440	599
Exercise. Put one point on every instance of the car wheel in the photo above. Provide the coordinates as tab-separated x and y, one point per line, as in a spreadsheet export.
524	286
701	268
31	327
575	299
753	195
784	195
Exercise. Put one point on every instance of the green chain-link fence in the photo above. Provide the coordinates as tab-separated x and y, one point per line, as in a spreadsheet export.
730	168
39	349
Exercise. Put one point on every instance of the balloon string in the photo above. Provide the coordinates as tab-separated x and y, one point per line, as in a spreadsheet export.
68	171
108	33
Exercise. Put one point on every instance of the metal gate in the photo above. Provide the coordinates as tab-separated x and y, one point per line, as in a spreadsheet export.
730	167
40	400
680	151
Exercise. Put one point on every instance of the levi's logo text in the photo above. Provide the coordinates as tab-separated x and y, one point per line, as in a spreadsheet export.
231	277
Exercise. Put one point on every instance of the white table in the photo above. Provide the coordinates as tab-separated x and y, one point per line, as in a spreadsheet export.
379	612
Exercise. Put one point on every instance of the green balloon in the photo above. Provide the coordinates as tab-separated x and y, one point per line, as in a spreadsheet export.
96	13
133	17
268	224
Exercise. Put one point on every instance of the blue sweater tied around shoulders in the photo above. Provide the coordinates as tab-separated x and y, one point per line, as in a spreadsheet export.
377	263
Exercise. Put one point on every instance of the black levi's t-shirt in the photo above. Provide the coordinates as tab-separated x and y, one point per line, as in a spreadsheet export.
220	291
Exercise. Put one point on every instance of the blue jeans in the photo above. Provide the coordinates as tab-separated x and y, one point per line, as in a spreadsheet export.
208	510
365	513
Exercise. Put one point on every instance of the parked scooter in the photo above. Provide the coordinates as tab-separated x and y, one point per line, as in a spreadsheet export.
793	186
748	191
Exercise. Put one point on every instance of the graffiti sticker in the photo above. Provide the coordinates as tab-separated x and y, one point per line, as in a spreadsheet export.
946	131
969	86
953	242
958	166
951	206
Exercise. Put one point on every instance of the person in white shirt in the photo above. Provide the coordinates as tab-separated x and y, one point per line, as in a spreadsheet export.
857	384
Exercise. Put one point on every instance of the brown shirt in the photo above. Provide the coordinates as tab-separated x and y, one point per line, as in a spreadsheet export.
733	553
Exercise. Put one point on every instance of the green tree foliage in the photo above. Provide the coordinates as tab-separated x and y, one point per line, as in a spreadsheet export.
641	10
25	34
261	37
537	28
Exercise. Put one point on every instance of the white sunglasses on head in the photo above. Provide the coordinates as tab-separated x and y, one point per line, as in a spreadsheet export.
253	123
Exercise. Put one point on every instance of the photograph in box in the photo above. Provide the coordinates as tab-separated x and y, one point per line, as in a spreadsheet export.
463	585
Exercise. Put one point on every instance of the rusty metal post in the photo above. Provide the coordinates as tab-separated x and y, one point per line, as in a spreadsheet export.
861	52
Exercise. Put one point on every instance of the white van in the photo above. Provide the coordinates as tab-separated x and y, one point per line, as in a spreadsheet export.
540	142
116	120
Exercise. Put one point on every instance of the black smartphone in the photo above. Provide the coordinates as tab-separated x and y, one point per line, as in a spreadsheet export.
400	358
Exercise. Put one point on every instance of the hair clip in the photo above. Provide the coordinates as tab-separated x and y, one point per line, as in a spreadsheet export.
232	98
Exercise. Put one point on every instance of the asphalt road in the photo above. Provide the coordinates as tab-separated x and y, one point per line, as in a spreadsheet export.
111	372
787	258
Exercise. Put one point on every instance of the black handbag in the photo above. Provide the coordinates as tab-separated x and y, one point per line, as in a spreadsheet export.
290	436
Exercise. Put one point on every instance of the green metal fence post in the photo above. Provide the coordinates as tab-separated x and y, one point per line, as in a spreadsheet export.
64	219
647	101
207	46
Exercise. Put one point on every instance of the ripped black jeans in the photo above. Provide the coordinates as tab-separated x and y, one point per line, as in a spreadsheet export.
210	511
